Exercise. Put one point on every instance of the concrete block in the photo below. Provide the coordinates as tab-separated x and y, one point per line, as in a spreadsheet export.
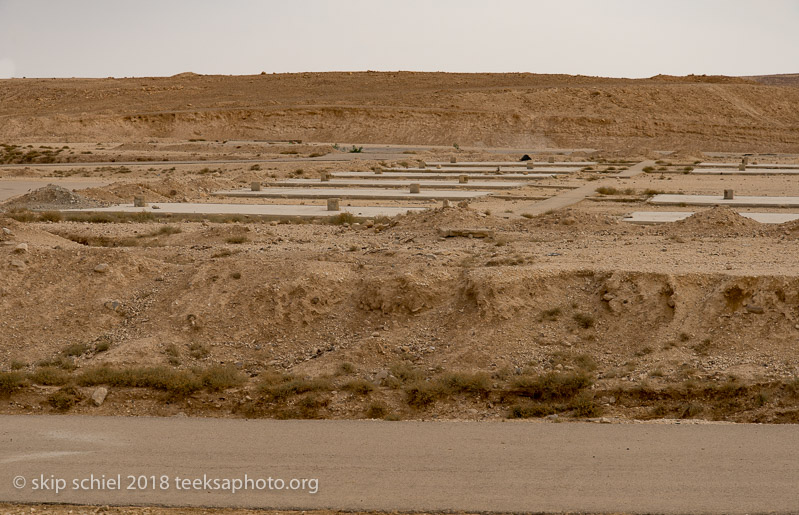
741	167
551	159
333	204
728	194
139	202
745	161
463	179
416	188
255	186
325	177
379	171
530	165
453	159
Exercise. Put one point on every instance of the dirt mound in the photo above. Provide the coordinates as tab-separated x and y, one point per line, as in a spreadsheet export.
51	197
165	190
717	221
428	222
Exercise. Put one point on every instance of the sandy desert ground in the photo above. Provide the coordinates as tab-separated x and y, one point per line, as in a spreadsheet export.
570	314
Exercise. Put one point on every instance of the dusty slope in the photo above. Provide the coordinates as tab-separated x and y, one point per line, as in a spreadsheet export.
711	113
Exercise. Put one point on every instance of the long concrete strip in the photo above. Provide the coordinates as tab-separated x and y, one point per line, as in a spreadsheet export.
659	217
748	171
714	200
401	466
397	183
276	211
353	193
578	164
486	169
434	175
711	164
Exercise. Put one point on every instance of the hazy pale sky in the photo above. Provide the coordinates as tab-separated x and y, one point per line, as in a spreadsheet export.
617	38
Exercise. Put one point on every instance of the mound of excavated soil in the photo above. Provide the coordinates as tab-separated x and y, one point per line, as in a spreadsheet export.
717	221
164	190
51	197
428	222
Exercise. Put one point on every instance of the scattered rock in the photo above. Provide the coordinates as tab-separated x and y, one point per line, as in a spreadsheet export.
7	231
466	233
758	310
99	395
113	305
17	264
22	248
102	268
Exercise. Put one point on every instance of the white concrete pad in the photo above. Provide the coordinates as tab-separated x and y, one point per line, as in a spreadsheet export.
659	217
485	169
718	200
277	211
577	164
735	165
369	183
354	193
748	171
388	176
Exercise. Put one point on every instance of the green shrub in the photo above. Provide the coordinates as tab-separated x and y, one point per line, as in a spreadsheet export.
358	387
287	389
584	320
377	410
76	349
422	394
468	383
552	386
49	376
530	410
221	377
64	398
11	381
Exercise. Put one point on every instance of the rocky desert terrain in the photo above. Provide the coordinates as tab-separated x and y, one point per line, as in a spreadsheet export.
567	314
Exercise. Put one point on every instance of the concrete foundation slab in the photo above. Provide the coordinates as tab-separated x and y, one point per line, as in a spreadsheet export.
659	217
710	164
271	211
369	183
354	193
718	200
486	169
749	171
577	164
442	176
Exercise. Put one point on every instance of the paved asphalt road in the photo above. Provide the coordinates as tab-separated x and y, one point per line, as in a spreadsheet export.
431	466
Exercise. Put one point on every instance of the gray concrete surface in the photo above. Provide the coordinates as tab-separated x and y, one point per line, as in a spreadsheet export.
486	169
711	164
354	193
659	217
276	211
434	175
718	200
408	466
576	164
13	187
397	183
749	171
